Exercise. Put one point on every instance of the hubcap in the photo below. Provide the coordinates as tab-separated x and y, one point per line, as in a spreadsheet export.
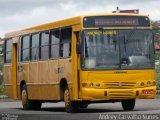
67	98
24	97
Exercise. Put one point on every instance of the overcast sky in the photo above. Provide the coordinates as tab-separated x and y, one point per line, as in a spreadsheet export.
18	14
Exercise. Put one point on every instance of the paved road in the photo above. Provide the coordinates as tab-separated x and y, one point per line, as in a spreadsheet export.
56	111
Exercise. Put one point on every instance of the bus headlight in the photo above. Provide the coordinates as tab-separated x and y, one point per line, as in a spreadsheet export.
148	83
142	84
97	84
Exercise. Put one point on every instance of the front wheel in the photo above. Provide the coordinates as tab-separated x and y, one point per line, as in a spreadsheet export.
29	104
128	105
71	106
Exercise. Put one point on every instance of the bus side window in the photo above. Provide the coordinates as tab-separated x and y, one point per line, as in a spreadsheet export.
8	51
25	48
55	40
35	47
65	45
44	46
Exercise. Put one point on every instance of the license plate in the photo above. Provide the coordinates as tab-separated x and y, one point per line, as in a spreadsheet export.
147	91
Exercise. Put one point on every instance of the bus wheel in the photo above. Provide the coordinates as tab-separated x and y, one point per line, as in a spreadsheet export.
83	105
25	102
28	104
128	105
71	106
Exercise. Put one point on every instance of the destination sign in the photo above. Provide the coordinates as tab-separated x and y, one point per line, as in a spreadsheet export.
116	21
101	32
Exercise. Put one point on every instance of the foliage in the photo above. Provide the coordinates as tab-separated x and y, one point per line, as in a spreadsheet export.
1	89
156	31
158	76
157	56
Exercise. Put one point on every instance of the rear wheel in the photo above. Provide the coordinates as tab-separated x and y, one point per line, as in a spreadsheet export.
29	104
128	105
71	106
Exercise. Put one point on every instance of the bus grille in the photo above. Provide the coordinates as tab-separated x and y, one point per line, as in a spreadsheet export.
120	84
122	94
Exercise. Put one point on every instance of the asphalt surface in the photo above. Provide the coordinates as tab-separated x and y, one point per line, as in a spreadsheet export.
12	110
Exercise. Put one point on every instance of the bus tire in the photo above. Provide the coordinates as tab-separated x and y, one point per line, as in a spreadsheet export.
29	104
71	106
128	105
83	105
24	96
36	105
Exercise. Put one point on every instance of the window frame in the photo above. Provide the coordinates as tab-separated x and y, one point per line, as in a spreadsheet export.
39	58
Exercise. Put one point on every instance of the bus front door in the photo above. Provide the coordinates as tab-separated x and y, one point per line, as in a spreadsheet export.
14	68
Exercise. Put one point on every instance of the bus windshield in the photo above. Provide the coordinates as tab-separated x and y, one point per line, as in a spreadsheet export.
117	49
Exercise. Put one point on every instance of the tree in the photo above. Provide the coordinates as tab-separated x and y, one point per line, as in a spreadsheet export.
156	31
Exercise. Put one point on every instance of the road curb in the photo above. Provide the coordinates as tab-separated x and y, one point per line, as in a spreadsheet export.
3	96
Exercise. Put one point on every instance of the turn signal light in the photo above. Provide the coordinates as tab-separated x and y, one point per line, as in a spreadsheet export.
84	84
91	85
154	83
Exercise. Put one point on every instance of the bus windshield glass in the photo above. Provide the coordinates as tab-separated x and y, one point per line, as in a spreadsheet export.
117	49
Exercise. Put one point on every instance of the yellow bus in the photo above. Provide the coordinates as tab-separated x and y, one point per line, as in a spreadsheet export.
81	60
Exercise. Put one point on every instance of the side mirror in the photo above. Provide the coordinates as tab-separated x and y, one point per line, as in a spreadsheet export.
78	48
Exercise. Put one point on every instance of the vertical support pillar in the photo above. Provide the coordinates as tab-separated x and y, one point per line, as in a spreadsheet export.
14	71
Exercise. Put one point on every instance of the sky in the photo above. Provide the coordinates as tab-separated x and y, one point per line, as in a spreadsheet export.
19	14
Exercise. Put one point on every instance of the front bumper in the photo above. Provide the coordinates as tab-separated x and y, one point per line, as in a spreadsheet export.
118	94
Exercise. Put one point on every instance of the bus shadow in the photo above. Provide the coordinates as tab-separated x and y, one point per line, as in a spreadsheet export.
54	109
88	110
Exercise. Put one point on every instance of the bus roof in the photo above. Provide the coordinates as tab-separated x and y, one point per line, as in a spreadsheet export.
60	23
